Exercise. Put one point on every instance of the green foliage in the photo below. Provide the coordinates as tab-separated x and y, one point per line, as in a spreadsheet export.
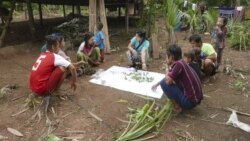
52	137
151	10
212	16
239	36
171	20
240	86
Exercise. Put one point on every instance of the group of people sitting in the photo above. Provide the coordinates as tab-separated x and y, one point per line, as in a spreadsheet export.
53	65
182	83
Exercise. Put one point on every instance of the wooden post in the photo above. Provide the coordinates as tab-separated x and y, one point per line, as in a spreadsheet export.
7	23
40	14
31	19
64	12
119	12
78	8
92	15
73	10
155	46
97	12
105	24
127	17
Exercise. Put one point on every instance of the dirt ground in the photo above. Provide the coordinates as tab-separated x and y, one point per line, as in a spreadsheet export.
17	58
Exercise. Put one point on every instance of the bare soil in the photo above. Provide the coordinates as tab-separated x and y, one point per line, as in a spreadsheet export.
18	56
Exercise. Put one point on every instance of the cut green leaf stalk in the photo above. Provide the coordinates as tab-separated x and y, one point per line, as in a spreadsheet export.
146	120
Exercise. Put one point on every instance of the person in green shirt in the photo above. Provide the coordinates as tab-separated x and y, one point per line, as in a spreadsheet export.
208	54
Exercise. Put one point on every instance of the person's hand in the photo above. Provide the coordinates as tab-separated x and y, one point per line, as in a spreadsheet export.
154	87
223	46
82	62
73	86
144	66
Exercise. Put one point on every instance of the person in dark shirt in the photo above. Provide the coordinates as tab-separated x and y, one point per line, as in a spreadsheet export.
181	84
189	58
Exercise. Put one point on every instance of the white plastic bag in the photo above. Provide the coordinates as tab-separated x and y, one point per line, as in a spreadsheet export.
233	120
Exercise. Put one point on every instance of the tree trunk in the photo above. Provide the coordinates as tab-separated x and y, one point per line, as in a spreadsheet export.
41	14
7	23
92	15
105	25
31	19
127	17
73	10
64	12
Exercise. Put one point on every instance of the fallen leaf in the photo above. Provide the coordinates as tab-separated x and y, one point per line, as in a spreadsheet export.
74	137
52	137
3	137
122	101
15	132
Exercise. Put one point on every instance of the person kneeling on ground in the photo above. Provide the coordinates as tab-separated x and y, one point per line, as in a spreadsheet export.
181	85
88	53
61	52
208	55
138	50
48	72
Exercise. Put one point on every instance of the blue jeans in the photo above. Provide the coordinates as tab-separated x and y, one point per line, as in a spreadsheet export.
174	92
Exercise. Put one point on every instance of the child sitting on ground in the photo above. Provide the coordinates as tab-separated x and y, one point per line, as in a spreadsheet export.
189	58
88	53
99	41
61	52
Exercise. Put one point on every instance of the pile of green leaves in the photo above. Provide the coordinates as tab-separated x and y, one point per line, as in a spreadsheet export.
239	35
240	85
145	120
139	77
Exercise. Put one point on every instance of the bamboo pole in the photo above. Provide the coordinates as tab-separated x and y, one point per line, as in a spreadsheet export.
7	23
105	25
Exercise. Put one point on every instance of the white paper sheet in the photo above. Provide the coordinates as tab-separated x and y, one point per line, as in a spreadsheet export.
114	77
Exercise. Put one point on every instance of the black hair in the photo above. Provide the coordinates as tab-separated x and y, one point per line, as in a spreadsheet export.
141	33
190	54
202	6
59	35
99	26
196	38
225	20
51	40
87	36
175	51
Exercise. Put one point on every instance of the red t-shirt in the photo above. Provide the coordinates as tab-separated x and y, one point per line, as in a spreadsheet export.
42	70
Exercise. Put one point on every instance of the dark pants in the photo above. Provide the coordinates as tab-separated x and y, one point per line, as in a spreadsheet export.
174	92
219	56
102	53
219	52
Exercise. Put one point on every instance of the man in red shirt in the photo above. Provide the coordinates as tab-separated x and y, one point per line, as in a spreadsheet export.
48	71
